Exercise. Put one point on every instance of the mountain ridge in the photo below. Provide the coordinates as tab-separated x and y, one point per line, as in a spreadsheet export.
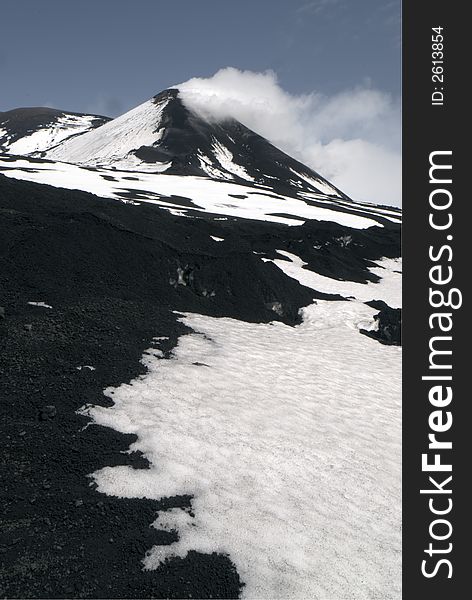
21	128
179	141
162	152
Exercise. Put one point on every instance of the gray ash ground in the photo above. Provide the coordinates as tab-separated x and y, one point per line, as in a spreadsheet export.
109	271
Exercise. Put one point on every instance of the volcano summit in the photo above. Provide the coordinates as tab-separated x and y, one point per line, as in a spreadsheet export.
181	155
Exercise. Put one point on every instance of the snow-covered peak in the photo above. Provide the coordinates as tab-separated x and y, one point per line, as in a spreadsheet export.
118	142
165	152
25	131
164	134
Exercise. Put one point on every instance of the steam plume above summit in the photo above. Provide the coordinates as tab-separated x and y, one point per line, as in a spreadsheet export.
352	137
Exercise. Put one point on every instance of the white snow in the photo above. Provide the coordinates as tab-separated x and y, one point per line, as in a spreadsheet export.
388	289
113	141
207	166
41	304
225	157
3	134
208	195
290	443
45	138
388	212
322	186
89	367
217	239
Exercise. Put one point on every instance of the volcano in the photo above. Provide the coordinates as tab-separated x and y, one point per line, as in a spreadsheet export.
163	135
199	345
174	157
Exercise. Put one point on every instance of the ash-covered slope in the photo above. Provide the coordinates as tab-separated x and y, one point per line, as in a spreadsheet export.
162	134
27	130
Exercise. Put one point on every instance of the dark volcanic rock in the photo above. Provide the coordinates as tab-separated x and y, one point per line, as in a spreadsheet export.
47	412
389	324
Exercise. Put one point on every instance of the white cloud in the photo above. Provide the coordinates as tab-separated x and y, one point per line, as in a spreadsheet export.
351	138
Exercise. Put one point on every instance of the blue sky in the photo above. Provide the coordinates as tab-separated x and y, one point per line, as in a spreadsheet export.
337	60
112	54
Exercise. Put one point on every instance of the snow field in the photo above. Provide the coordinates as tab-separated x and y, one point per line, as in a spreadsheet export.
43	139
208	195
388	289
114	140
288	438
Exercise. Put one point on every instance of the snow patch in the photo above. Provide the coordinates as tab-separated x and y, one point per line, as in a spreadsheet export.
225	157
47	137
207	167
322	186
217	197
114	141
291	450
3	136
41	304
388	289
